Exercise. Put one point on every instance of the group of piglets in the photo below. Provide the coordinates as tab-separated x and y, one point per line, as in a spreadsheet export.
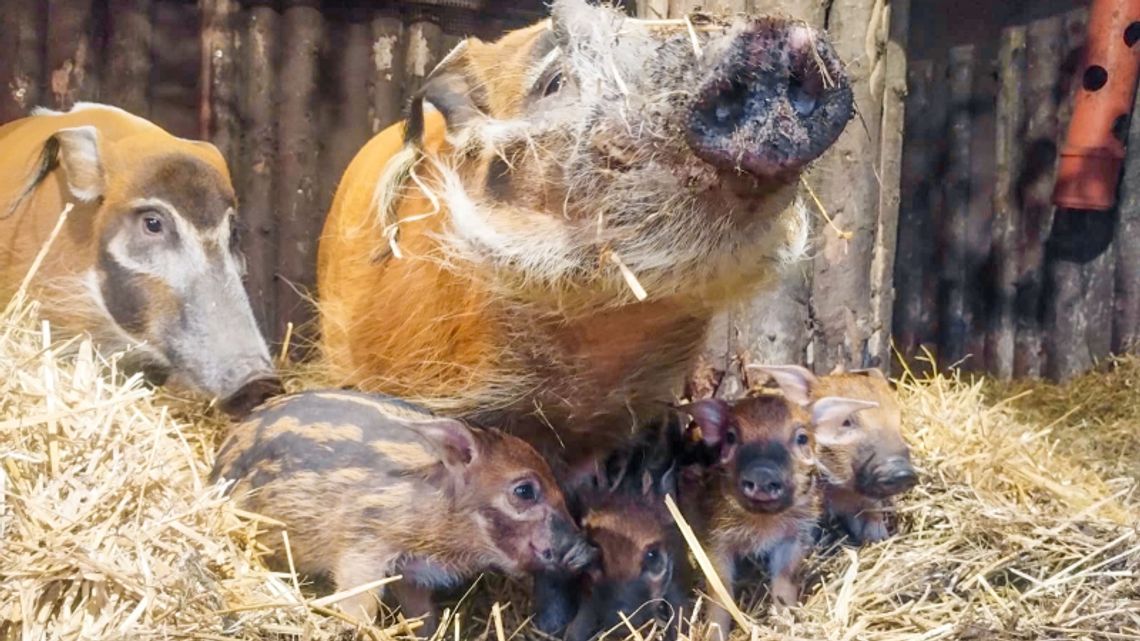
368	486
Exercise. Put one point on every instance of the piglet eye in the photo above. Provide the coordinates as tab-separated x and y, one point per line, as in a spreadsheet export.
730	437
848	423
152	224
653	562
801	439
554	85
526	492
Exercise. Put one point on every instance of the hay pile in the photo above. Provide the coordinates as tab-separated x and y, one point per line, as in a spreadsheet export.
108	531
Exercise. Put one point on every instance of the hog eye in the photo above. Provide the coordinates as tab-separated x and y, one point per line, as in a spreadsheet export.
801	439
554	85
653	562
526	492
847	423
152	224
730	437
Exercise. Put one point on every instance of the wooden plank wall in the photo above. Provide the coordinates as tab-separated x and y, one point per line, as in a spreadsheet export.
988	273
289	90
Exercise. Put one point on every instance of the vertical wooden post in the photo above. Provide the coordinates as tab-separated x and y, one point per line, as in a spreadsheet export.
218	119
1008	152
259	160
388	48
176	54
1043	43
346	96
424	43
1079	308
890	178
916	194
846	182
297	214
1126	301
71	52
23	27
954	320
126	73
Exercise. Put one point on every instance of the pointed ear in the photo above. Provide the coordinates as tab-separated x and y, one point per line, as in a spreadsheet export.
453	440
450	89
712	415
830	417
873	372
794	381
81	161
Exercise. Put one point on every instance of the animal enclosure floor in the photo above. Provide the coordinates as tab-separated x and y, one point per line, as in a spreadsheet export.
1024	527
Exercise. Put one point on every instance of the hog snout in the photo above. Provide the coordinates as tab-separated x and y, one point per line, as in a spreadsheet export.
258	389
893	476
776	100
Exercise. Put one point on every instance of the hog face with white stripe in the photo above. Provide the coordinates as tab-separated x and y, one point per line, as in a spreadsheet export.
147	258
674	149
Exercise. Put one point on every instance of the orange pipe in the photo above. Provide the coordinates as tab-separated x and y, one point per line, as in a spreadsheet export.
1093	154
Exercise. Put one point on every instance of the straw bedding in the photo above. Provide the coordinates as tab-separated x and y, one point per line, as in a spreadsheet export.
1025	526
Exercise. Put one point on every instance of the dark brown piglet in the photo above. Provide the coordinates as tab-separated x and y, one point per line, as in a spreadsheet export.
864	461
369	486
642	570
759	499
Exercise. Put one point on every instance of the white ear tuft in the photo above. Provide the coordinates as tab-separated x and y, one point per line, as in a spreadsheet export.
81	161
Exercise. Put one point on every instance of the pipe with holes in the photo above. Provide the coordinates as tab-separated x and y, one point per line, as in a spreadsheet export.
1093	154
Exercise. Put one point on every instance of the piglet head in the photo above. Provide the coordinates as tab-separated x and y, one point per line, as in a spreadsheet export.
641	572
514	496
763	448
862	450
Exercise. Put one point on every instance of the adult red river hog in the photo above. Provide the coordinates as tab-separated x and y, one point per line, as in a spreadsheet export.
147	258
545	248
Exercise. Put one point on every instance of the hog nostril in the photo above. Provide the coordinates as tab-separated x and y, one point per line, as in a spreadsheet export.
548	555
803	101
773	487
749	487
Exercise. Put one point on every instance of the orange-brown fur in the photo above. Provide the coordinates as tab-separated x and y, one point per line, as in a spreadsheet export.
573	363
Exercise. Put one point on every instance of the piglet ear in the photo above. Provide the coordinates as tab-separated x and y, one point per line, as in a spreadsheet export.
828	416
794	381
712	416
453	440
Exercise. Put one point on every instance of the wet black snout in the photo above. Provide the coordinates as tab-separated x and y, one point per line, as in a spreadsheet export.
250	395
776	100
764	483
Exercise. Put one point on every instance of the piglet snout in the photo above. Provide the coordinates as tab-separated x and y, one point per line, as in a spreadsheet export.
894	476
569	550
764	484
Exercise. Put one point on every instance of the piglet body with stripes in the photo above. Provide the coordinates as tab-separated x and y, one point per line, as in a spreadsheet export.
369	486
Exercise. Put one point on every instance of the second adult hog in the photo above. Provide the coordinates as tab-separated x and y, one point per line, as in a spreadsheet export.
864	460
760	499
369	486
